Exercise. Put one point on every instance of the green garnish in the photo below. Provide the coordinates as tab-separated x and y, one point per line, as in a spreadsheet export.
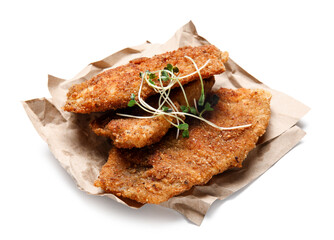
185	129
151	76
183	126
208	107
201	100
164	76
202	97
184	109
193	110
185	133
166	107
132	101
169	67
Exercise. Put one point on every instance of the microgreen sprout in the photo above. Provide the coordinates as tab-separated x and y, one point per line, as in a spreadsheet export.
132	102
162	82
207	108
184	108
193	110
164	76
185	129
202	97
152	76
166	109
183	126
169	67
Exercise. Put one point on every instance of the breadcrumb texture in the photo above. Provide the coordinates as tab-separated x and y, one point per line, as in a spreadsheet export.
133	132
141	132
158	172
112	88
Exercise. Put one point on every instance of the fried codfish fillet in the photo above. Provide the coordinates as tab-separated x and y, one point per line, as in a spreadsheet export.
112	88
133	132
156	173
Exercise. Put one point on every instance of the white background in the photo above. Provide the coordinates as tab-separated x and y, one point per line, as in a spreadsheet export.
288	45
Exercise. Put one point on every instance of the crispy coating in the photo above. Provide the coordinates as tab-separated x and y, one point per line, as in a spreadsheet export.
154	174
134	132
112	88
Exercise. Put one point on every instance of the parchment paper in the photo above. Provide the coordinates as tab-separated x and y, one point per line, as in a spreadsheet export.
82	154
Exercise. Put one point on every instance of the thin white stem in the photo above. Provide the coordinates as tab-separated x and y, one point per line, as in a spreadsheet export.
134	116
206	63
195	104
164	98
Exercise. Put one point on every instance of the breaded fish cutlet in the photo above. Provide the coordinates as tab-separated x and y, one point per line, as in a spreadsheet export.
112	88
134	132
158	172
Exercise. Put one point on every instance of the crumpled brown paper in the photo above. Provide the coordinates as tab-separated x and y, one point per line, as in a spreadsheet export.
81	153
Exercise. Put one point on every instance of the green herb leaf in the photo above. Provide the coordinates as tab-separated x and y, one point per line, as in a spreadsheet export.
151	76
184	109
201	100
193	110
132	103
133	96
208	107
165	109
175	69
185	133
148	73
185	129
183	126
169	67
153	83
164	76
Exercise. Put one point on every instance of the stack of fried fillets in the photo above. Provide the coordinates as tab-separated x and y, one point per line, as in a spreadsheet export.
150	161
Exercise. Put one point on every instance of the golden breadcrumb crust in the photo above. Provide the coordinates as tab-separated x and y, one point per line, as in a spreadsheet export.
134	132
112	88
158	172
